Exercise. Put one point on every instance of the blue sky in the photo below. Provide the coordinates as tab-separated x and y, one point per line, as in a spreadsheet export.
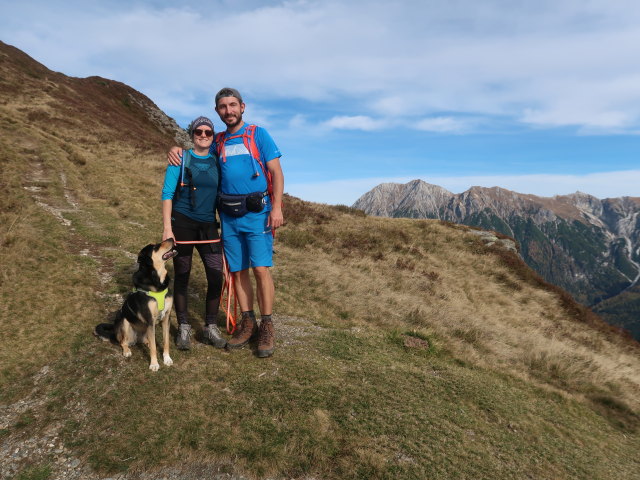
539	97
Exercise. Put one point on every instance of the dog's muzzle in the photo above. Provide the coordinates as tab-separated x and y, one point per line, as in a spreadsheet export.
170	254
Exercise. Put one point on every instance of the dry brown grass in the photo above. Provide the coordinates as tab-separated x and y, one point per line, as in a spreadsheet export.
59	209
483	304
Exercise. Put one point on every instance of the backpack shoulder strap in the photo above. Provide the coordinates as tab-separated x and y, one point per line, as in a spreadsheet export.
219	139
249	140
186	161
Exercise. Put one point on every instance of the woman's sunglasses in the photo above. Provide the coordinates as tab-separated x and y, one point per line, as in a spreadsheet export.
198	132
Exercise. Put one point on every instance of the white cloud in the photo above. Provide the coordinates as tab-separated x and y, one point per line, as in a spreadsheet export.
442	125
298	121
368	124
356	122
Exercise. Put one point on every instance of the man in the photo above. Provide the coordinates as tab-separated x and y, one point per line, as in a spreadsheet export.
248	238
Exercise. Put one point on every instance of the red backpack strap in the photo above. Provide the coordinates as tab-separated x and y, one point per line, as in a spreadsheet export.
249	140
220	146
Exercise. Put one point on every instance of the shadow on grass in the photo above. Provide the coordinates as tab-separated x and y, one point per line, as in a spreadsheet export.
616	412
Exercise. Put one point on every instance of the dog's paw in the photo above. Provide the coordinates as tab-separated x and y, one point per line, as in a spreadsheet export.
126	354
167	360
154	367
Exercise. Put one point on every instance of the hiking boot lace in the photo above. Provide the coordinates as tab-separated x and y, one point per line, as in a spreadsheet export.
184	333
213	332
213	336
185	330
266	332
244	325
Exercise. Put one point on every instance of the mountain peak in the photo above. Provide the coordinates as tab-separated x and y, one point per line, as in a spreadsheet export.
387	198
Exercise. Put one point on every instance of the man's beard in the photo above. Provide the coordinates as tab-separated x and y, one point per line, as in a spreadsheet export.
235	121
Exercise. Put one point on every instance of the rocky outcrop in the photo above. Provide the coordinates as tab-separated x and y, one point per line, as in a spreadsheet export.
165	123
52	100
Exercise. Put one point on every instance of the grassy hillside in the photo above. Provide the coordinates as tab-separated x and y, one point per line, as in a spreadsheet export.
405	349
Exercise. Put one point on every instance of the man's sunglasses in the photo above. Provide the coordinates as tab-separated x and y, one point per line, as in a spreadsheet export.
198	132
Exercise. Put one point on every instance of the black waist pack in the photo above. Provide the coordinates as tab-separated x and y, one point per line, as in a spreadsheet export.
240	205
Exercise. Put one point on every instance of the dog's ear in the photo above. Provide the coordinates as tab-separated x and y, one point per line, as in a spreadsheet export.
144	257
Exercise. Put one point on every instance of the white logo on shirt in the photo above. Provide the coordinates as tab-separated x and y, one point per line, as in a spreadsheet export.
233	150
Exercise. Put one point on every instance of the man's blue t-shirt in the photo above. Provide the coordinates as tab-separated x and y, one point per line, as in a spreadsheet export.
239	169
205	177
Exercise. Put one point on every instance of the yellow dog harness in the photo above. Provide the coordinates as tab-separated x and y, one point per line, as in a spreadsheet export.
158	296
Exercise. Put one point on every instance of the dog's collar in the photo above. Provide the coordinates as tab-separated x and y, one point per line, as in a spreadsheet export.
159	296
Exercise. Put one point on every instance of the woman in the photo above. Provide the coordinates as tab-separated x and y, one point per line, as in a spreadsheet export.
188	215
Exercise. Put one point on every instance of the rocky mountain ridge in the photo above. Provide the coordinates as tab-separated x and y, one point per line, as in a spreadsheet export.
589	246
53	99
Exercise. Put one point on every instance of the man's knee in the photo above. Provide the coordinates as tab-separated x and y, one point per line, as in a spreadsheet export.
261	272
262	275
240	275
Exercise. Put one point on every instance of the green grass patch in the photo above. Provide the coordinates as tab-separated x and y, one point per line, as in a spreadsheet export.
343	405
35	473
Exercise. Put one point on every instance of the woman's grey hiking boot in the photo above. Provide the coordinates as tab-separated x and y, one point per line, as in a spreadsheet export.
211	334
183	339
266	337
244	332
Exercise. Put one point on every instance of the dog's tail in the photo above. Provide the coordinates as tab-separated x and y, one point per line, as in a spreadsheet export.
105	331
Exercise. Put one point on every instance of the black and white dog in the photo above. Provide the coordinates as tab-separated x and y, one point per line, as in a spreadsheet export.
148	304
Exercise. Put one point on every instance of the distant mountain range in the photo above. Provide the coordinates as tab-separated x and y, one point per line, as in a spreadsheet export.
589	247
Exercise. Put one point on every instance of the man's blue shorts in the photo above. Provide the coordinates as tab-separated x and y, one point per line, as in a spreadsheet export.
247	241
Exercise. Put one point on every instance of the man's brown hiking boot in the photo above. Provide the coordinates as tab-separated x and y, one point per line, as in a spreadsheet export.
266	338
244	332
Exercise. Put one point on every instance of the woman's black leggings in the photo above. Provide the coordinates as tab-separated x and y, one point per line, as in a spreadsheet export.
186	229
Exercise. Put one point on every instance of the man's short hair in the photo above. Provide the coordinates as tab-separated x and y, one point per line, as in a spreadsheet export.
228	92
